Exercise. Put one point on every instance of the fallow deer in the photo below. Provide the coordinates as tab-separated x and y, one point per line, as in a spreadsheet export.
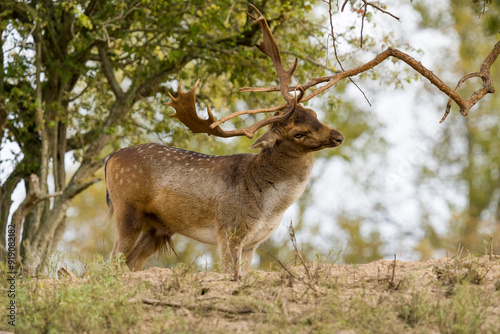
233	201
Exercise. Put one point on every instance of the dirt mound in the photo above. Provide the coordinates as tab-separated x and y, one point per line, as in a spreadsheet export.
383	296
436	296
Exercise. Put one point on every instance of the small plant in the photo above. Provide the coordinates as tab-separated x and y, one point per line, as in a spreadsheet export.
464	312
179	274
96	303
461	271
417	310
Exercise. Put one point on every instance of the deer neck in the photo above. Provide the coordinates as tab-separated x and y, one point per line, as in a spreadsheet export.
278	165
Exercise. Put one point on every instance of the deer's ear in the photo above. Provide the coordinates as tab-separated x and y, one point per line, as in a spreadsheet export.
266	140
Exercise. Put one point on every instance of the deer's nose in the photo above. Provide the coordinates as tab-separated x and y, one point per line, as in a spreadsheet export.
337	137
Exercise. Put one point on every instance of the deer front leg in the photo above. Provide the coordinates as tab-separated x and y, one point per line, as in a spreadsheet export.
246	258
231	249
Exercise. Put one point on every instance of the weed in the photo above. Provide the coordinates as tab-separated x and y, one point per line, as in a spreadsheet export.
464	312
360	314
98	303
461	271
417	310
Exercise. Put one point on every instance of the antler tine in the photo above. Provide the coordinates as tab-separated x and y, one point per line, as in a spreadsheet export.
270	48
301	94
185	107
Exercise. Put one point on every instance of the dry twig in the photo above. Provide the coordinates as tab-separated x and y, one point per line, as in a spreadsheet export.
282	265
291	233
392	283
156	302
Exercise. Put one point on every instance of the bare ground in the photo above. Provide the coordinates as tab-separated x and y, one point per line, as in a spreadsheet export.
296	301
446	295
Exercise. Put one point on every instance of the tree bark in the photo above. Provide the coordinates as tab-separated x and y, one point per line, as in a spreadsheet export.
5	203
34	218
33	196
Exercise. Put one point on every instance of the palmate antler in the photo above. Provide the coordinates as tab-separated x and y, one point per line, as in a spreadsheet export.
185	103
185	107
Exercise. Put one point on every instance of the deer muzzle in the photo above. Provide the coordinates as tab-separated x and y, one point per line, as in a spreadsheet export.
336	138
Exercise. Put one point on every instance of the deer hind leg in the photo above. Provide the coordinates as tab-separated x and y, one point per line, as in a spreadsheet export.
128	228
153	238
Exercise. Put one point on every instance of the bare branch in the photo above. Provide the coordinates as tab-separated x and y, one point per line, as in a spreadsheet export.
308	59
362	26
108	71
334	43
366	3
380	9
484	73
343	6
460	82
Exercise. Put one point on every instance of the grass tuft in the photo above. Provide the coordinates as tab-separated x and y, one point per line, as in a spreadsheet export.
96	303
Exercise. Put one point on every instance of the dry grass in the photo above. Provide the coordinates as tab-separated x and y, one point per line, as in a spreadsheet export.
435	296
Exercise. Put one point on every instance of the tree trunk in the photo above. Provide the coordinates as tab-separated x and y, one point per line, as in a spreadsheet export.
5	203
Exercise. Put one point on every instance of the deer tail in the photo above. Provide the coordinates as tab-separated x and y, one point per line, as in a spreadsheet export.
108	198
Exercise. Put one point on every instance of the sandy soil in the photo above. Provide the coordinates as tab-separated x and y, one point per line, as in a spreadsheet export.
292	298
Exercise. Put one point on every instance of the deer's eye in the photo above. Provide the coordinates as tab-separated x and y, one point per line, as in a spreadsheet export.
298	135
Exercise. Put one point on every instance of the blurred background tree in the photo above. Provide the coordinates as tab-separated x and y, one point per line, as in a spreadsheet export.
469	147
103	72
